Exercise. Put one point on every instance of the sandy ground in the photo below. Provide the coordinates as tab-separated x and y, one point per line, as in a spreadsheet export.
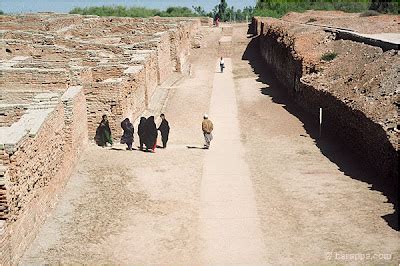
312	207
383	23
125	207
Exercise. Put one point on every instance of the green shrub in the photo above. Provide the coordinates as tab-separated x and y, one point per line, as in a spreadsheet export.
329	56
177	12
278	8
122	11
1	12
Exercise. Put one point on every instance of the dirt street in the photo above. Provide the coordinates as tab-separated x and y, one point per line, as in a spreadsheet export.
265	189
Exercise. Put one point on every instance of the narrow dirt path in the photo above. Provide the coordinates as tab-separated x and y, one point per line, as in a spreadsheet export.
229	222
265	192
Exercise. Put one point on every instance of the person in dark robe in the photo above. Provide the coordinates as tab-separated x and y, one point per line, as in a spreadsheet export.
142	131
127	137
151	134
103	133
164	129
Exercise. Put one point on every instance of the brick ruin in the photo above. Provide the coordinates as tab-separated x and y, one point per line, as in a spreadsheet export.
58	75
357	91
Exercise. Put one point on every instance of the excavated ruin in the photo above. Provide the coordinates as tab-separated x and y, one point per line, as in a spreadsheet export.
357	88
58	75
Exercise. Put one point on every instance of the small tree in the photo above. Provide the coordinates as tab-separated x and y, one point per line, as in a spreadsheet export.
222	8
199	11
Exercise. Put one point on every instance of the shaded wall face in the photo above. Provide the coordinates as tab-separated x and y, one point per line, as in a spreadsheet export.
36	169
288	69
367	139
164	59
180	39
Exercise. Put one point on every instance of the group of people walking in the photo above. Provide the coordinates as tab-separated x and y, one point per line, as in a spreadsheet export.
147	132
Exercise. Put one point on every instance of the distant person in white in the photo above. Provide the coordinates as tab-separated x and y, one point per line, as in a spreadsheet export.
222	65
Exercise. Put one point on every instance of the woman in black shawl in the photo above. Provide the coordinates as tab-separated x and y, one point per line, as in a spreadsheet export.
142	132
151	134
103	133
127	137
164	129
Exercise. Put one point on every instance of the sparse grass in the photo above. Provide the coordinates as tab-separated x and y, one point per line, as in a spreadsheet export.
370	13
278	8
329	56
311	20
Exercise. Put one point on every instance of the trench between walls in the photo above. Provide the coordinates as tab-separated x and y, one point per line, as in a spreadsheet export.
367	141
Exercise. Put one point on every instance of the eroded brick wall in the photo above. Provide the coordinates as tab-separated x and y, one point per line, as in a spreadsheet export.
117	61
368	139
38	167
5	249
10	114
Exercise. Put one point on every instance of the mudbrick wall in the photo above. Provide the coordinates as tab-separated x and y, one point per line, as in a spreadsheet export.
10	113
59	75
357	90
38	154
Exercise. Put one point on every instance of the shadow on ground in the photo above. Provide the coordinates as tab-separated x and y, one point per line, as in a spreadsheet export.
329	146
196	147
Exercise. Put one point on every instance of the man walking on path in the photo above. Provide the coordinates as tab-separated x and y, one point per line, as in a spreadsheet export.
222	64
164	129
207	127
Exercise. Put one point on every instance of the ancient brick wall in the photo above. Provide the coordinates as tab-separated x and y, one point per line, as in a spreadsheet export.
163	49
75	119
5	248
22	84
206	21
180	38
37	165
282	56
10	114
101	66
116	97
359	131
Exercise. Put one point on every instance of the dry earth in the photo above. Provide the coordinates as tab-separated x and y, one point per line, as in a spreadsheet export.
351	21
125	207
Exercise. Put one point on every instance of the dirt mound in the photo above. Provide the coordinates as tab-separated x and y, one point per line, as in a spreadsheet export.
362	76
352	21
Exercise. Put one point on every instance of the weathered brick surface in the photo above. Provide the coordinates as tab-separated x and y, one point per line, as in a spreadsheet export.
5	248
207	21
37	165
368	136
99	65
10	114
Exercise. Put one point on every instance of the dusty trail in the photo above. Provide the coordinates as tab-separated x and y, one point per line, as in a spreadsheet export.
229	223
280	198
312	210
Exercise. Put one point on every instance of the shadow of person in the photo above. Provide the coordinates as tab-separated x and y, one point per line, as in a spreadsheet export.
122	149
195	147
